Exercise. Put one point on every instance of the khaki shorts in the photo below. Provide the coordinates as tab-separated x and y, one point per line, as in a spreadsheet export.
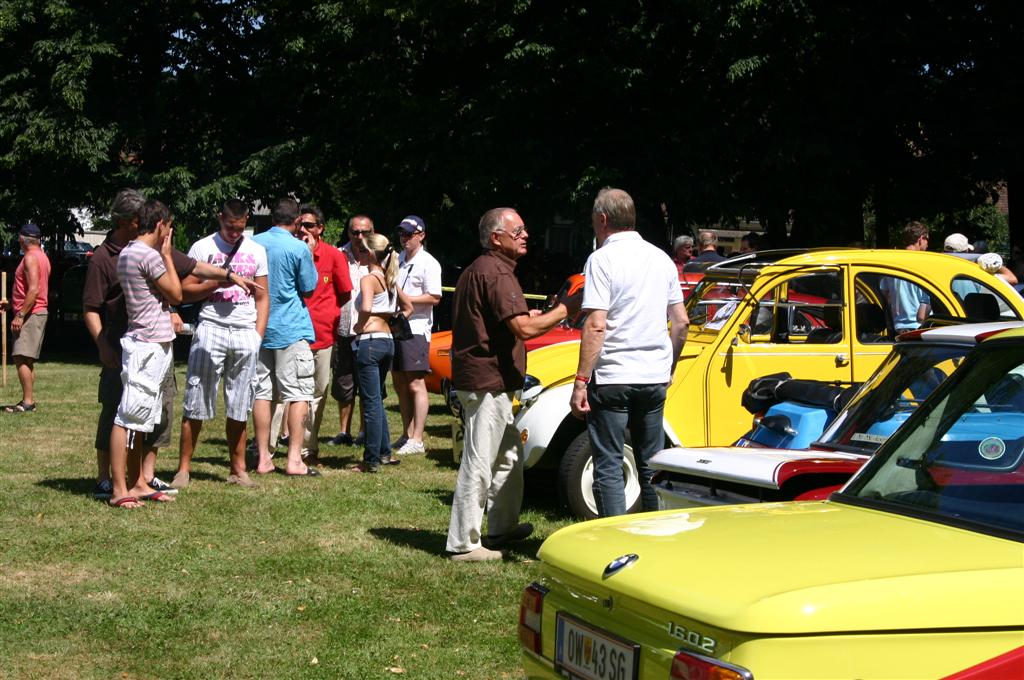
29	341
285	374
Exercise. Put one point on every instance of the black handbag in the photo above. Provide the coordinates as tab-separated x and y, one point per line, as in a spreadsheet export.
400	329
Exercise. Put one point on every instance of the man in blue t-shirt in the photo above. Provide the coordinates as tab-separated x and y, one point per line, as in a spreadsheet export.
909	302
286	361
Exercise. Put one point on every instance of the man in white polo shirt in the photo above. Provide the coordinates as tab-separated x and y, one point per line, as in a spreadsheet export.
419	276
627	356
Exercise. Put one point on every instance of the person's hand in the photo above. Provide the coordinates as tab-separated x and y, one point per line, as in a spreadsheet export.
109	356
308	238
535	312
236	279
166	246
578	401
16	323
176	323
4	305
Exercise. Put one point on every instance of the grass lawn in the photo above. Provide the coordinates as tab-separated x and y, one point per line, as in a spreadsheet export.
340	577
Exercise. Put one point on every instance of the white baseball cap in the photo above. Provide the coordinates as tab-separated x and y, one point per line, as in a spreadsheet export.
957	243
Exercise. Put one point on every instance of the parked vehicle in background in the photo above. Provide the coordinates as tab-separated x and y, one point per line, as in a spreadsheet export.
912	570
753	473
817	314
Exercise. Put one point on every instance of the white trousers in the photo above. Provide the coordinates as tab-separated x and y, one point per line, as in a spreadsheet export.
490	473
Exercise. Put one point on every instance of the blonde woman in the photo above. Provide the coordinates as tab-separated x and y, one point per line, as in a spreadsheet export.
378	299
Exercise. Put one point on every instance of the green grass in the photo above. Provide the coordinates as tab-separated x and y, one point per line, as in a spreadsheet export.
340	577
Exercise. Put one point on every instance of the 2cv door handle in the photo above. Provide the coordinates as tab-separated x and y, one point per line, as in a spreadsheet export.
842	360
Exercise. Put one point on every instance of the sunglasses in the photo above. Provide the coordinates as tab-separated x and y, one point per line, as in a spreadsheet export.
359	232
309	225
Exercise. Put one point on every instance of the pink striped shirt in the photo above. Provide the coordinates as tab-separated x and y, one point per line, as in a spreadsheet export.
149	316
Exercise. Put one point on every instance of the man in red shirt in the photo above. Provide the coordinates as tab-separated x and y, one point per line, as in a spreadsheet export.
333	289
31	290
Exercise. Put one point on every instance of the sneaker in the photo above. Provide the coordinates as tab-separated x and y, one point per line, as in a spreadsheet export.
341	439
410	447
481	554
519	533
163	487
282	440
360	439
104	490
400	442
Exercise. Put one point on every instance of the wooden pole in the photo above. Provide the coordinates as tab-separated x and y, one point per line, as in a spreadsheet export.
3	322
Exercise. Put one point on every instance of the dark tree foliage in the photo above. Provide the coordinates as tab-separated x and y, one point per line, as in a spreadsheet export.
718	110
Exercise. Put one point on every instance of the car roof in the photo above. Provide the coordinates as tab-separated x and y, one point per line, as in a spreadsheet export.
968	333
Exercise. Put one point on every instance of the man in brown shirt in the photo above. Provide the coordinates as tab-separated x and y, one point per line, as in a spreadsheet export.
490	322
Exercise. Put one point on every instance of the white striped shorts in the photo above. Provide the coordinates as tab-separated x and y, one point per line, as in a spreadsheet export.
219	350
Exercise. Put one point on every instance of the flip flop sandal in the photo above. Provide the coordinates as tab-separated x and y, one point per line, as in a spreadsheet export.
20	407
310	472
159	497
126	503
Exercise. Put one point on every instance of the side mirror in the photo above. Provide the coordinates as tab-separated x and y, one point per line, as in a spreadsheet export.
744	333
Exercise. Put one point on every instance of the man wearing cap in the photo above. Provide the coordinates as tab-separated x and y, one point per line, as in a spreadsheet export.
419	276
31	290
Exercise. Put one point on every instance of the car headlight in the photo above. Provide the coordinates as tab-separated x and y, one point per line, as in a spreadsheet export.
531	390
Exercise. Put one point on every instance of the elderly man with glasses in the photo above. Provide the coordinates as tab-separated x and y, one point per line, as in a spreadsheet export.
490	321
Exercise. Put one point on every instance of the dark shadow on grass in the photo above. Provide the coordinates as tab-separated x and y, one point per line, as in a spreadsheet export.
438	429
438	410
443	458
431	542
84	486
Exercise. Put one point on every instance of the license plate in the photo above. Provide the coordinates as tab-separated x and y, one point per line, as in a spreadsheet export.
458	435
583	651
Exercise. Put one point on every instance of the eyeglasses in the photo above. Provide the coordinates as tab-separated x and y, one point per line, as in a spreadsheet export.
408	234
309	225
519	231
360	232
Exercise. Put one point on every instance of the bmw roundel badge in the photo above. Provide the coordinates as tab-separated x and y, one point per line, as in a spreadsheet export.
619	563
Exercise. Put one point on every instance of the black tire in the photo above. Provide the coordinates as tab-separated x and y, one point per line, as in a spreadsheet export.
577	495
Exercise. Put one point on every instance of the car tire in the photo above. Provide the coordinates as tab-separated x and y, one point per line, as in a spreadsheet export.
576	478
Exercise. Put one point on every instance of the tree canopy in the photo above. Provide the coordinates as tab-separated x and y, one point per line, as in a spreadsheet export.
743	108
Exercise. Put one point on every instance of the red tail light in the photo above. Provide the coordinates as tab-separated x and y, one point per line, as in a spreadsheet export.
531	606
690	666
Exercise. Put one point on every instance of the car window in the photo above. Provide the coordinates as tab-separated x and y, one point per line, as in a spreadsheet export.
803	309
961	456
981	302
714	302
889	304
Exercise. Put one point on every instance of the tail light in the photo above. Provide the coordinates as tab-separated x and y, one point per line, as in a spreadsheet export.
531	606
690	666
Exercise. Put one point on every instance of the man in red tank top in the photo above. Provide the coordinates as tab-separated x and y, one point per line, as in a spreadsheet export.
29	298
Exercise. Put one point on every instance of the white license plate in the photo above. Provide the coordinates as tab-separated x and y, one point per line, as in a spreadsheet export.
458	435
583	651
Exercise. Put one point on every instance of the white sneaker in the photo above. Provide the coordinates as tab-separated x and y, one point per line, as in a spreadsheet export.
158	484
411	446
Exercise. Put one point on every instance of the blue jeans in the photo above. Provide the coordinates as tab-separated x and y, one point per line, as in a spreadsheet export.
373	359
613	408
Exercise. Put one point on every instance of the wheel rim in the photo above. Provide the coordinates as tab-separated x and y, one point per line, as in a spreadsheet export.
629	473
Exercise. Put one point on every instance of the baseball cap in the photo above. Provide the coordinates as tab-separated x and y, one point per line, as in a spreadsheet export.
412	224
31	230
957	243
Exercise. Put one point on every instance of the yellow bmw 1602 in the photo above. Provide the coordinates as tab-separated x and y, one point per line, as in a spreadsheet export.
914	570
829	315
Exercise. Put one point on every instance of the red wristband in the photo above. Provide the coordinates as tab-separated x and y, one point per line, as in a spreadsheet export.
583	379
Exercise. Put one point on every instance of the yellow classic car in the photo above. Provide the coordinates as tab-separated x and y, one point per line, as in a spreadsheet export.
829	315
913	570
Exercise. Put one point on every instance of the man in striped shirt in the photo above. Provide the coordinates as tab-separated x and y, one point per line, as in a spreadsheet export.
226	342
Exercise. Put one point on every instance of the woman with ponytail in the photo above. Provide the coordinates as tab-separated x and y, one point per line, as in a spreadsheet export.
378	299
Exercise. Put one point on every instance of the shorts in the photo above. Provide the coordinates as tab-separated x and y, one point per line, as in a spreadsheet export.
412	355
216	351
286	374
143	367
110	390
343	381
29	342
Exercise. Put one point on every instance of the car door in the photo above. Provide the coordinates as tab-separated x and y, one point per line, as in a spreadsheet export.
800	324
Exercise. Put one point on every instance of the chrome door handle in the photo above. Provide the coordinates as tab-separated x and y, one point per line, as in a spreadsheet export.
842	360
